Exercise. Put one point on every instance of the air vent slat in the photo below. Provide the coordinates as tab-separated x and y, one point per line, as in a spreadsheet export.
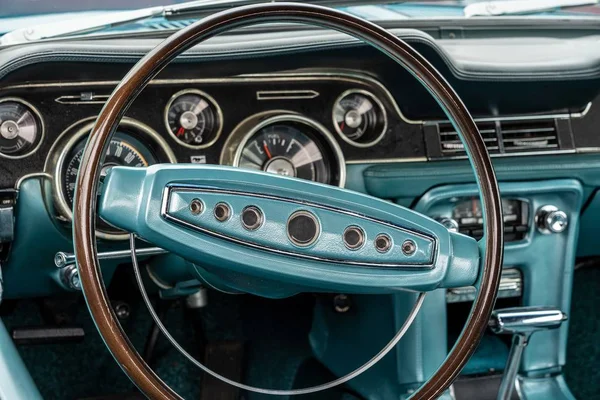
524	136
529	131
452	145
527	136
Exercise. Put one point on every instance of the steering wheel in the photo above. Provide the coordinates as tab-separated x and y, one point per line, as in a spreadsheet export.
303	236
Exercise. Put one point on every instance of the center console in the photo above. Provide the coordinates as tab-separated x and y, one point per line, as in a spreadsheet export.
541	228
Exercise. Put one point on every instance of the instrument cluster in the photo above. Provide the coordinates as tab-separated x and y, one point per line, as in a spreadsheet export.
305	127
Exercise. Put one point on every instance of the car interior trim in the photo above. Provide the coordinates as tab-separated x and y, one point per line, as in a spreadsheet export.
200	189
339	75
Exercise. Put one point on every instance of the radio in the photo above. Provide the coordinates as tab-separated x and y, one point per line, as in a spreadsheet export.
466	217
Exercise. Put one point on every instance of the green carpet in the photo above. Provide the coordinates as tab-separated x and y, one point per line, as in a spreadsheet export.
582	371
275	334
78	370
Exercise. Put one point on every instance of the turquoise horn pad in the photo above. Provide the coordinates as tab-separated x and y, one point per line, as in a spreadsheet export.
199	213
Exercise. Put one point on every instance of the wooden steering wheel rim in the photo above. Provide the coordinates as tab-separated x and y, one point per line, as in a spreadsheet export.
150	65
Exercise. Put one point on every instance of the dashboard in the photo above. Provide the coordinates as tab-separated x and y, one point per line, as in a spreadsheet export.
306	125
311	105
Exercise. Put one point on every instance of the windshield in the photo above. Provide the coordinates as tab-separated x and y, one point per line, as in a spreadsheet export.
374	10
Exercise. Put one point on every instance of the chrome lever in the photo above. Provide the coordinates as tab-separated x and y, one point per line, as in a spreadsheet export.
521	322
63	259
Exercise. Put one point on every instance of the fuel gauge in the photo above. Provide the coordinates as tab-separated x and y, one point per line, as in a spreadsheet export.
21	128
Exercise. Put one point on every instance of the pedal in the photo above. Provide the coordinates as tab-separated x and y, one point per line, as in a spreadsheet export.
47	335
225	358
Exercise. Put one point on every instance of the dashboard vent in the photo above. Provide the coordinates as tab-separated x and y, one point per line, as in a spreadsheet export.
525	136
520	136
452	146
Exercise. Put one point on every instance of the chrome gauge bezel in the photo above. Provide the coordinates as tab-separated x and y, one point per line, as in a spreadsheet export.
296	118
376	100
58	195
38	115
211	100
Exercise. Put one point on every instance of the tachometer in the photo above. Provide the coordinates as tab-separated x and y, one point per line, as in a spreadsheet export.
194	118
359	117
133	145
123	150
21	128
292	146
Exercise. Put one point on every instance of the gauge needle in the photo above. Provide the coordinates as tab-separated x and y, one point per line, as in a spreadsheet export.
342	126
267	150
181	131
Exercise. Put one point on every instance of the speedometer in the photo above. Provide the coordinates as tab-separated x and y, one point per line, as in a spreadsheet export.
293	146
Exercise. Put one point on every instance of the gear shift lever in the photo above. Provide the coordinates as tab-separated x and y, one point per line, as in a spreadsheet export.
521	322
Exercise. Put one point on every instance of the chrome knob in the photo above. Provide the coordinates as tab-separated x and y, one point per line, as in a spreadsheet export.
550	219
449	223
521	322
526	320
69	276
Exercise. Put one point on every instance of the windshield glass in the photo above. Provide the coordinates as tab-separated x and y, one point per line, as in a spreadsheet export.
374	10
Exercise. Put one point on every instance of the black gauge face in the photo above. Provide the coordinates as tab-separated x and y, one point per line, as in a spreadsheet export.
20	129
123	150
287	149
194	120
359	118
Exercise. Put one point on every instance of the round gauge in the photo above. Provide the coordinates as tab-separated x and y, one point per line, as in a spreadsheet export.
194	119
359	117
21	128
123	150
292	146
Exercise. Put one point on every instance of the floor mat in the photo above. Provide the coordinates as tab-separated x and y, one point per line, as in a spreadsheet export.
582	371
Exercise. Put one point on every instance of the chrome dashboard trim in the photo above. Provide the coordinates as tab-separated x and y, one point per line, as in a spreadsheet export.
377	101
584	112
19	181
73	99
519	154
58	153
581	114
334	146
343	75
210	100
37	113
166	196
387	160
266	95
